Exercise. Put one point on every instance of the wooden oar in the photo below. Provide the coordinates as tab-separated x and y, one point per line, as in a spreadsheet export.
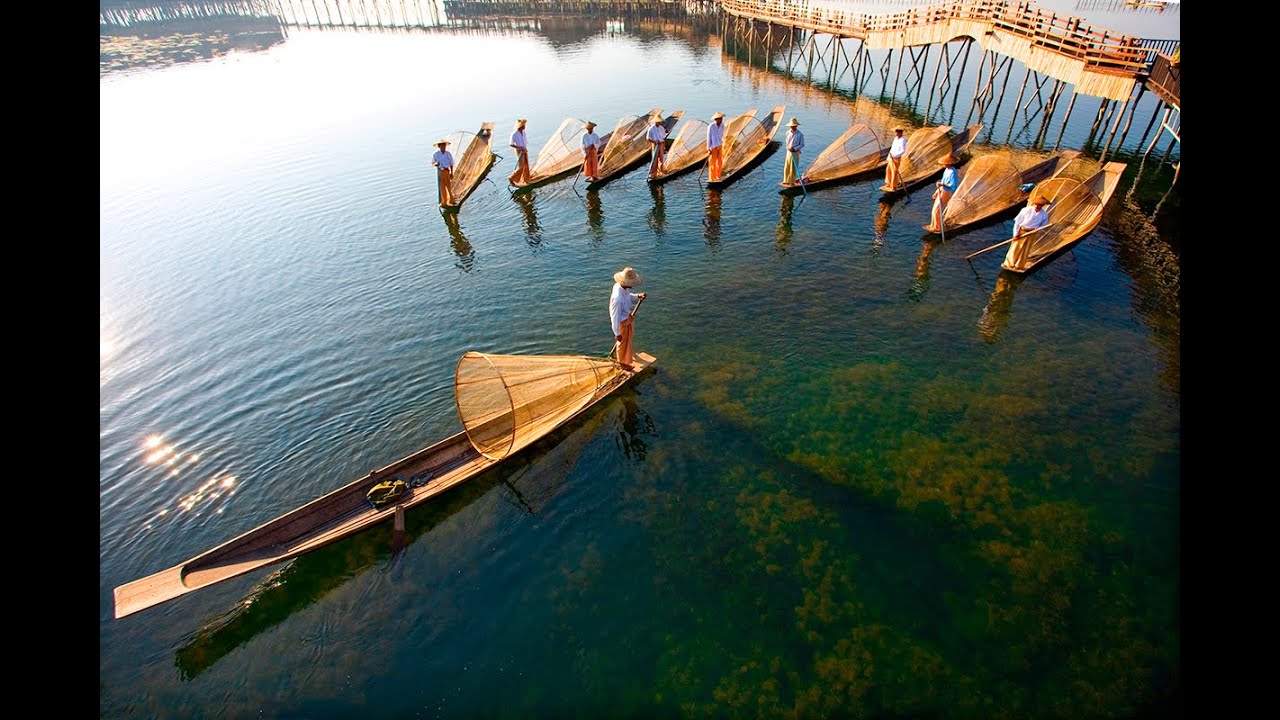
993	247
616	343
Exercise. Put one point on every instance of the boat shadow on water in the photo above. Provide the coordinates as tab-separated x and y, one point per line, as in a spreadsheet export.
530	481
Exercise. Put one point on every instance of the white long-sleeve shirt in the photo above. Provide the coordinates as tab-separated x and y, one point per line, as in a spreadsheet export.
795	140
620	303
443	159
1030	218
590	139
715	135
899	147
657	133
518	139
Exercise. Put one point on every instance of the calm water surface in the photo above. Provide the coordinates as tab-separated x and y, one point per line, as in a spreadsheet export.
866	478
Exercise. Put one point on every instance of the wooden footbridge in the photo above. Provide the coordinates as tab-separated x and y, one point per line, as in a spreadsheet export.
1068	50
1101	63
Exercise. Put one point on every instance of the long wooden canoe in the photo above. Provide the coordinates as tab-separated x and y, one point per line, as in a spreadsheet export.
687	151
856	153
628	147
992	185
1075	208
473	164
560	156
925	147
744	141
429	472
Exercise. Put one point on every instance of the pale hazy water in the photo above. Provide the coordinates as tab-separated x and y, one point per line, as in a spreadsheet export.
861	480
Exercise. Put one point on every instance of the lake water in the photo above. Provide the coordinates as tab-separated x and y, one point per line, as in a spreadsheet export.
867	477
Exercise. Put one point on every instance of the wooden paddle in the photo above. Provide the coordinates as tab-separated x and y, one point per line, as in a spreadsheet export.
616	343
1006	242
993	247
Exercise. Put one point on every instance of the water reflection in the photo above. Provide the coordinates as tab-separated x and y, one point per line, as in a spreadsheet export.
711	221
532	230
595	216
995	316
783	232
461	246
658	214
921	284
881	226
636	423
151	45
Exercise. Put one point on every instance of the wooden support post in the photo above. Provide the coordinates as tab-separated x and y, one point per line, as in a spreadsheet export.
1114	127
943	54
1132	111
1154	115
963	64
1111	111
835	55
1065	119
977	87
1167	111
791	47
1168	150
898	75
1016	103
1049	109
1102	109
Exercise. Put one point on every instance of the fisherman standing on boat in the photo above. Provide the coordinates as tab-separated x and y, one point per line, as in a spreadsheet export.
715	143
944	189
591	153
892	174
521	144
1030	218
795	143
622	304
443	160
658	139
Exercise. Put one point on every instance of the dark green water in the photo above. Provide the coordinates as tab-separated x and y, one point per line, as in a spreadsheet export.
867	478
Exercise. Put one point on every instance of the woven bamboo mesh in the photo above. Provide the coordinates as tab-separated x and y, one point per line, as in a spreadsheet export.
857	150
1073	211
732	130
627	143
750	139
925	148
506	402
990	184
561	153
473	156
688	147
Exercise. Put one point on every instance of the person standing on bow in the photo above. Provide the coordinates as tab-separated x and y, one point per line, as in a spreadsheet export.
715	144
622	304
892	169
443	160
943	190
658	139
590	153
521	145
795	143
1031	218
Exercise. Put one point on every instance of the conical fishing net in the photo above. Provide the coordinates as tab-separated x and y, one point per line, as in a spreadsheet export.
561	153
506	402
857	150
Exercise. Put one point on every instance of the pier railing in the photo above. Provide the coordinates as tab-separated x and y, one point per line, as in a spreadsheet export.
1102	50
1164	79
